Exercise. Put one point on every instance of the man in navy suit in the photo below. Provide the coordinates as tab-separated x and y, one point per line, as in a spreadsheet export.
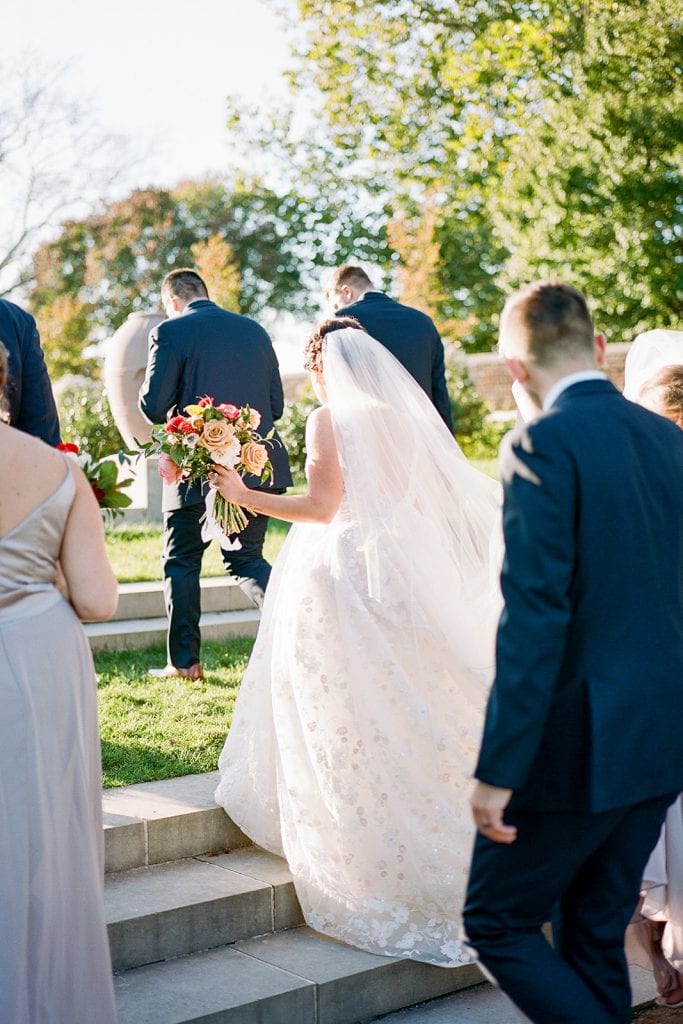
408	334
203	349
29	393
581	753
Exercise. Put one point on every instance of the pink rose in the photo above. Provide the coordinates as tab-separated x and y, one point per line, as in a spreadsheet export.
168	471
231	412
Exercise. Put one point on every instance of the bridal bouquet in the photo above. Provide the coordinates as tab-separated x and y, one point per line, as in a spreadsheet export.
103	477
188	445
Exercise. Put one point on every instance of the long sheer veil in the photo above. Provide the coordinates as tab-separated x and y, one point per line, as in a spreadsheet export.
650	353
357	723
423	512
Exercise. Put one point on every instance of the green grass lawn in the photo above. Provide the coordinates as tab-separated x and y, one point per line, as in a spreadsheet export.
135	551
161	728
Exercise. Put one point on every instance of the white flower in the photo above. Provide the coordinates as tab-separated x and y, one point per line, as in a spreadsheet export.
228	455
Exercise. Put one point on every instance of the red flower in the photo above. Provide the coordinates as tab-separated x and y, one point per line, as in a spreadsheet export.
174	425
98	492
67	447
231	412
186	427
205	401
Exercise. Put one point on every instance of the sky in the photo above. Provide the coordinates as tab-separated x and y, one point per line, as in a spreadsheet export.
158	71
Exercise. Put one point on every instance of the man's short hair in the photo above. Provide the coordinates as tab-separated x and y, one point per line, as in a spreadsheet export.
553	321
348	274
185	284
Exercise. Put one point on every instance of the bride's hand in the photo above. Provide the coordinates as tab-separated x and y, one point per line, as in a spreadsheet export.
229	484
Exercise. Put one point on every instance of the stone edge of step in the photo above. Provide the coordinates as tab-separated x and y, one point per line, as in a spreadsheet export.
154	822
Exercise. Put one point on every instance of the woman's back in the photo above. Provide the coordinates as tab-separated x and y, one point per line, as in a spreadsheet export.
50	788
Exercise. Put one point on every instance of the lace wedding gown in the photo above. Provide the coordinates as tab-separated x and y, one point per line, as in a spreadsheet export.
54	954
358	720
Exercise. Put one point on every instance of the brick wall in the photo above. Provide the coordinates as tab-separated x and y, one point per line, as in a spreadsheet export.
490	377
492	380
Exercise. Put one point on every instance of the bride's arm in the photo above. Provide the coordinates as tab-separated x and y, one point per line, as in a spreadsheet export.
325	484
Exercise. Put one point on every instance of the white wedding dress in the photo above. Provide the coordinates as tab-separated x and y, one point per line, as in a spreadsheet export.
357	724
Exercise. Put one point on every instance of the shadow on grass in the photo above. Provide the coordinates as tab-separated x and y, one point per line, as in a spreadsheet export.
161	728
123	765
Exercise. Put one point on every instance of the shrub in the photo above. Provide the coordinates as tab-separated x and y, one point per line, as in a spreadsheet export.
292	429
85	416
478	437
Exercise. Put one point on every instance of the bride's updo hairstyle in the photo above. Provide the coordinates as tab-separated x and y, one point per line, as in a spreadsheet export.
313	353
664	393
4	357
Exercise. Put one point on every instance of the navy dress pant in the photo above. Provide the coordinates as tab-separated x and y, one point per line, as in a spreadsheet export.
584	872
182	562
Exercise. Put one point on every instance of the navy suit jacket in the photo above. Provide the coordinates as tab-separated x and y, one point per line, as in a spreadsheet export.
584	713
208	350
29	393
412	337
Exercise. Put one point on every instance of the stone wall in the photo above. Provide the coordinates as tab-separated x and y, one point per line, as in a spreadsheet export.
492	380
490	377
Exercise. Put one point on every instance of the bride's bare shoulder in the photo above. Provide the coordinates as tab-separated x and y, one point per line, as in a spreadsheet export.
320	433
319	421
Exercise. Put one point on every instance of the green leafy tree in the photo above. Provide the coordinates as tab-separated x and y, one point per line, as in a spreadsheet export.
104	266
548	132
593	189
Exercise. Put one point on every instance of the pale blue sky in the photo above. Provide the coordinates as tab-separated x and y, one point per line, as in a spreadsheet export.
158	70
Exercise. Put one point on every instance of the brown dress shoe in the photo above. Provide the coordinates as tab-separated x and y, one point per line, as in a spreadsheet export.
193	672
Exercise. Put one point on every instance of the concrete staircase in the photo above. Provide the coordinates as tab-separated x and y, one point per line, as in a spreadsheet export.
206	928
140	620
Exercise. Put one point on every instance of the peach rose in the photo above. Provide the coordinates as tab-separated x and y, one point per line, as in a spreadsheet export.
254	457
253	421
217	434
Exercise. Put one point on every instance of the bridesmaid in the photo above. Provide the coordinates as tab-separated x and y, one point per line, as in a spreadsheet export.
661	905
54	954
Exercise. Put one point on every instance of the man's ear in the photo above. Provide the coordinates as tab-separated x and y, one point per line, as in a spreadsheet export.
517	369
600	346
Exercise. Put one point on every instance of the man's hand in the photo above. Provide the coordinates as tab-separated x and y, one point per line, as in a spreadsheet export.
488	804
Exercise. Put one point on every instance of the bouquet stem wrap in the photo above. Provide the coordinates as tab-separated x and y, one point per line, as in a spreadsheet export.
220	519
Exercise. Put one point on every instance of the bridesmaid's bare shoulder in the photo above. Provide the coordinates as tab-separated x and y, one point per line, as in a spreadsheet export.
30	471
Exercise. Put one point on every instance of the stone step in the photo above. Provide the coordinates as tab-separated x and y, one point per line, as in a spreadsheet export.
134	634
292	977
169	910
146	600
153	822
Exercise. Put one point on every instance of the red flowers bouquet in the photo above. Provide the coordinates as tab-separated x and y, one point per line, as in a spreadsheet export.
103	477
188	445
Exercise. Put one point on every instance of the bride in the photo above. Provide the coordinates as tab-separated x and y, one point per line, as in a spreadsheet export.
356	726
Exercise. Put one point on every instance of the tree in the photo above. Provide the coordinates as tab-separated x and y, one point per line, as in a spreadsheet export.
593	188
511	112
54	160
106	265
218	268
